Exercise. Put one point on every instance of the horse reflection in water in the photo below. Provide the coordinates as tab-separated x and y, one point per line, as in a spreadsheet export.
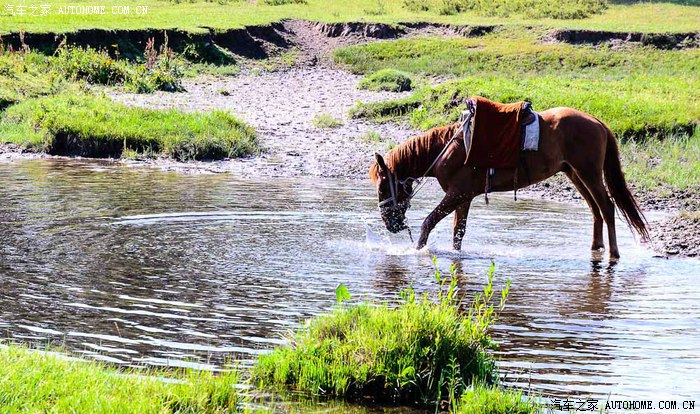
572	142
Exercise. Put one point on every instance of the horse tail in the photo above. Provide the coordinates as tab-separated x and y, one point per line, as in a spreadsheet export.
617	187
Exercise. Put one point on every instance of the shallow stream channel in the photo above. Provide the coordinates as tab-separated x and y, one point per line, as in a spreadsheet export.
135	266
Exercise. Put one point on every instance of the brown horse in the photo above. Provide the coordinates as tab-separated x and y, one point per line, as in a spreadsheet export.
573	142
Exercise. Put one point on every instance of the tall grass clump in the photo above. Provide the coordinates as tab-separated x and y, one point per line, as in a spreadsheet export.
423	350
98	127
42	382
159	70
389	80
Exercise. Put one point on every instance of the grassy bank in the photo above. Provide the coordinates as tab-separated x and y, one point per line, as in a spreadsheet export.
196	16
96	126
34	381
421	351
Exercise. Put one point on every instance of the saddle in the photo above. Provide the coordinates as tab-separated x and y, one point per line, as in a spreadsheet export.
497	133
493	135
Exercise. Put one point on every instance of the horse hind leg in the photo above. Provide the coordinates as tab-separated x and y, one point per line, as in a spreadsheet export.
597	243
593	181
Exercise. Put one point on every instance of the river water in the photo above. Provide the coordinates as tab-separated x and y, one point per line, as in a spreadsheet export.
138	266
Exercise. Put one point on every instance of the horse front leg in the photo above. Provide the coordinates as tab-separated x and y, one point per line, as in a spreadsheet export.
448	204
459	225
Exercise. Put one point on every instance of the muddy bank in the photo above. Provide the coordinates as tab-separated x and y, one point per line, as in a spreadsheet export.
281	106
678	236
615	39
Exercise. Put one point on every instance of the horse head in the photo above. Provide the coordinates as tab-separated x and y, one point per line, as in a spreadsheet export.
394	195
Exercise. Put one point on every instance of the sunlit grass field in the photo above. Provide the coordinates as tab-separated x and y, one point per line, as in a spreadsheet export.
201	15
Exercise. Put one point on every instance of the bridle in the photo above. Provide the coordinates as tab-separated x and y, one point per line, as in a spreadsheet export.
394	189
394	181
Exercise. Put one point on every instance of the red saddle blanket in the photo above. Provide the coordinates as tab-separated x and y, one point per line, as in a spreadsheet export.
496	134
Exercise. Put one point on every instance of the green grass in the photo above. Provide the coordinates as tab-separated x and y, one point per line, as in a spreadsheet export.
40	382
419	351
326	121
26	75
556	9
196	16
371	137
638	92
491	400
662	165
389	80
98	126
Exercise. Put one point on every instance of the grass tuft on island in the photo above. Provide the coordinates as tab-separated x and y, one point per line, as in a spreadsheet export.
389	80
421	351
87	125
38	381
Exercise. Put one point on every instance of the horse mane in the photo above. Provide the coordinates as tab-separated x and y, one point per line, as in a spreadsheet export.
413	156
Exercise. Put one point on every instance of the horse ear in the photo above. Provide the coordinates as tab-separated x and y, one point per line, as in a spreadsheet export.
380	161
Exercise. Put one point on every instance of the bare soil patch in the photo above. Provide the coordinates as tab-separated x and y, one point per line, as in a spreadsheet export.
281	106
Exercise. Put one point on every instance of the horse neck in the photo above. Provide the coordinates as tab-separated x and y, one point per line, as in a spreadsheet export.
414	157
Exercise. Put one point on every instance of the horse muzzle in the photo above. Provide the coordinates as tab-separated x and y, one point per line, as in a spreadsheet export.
394	218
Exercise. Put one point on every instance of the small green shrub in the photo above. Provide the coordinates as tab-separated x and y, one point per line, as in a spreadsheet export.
420	351
387	80
90	65
160	70
326	121
283	2
371	137
378	9
417	5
